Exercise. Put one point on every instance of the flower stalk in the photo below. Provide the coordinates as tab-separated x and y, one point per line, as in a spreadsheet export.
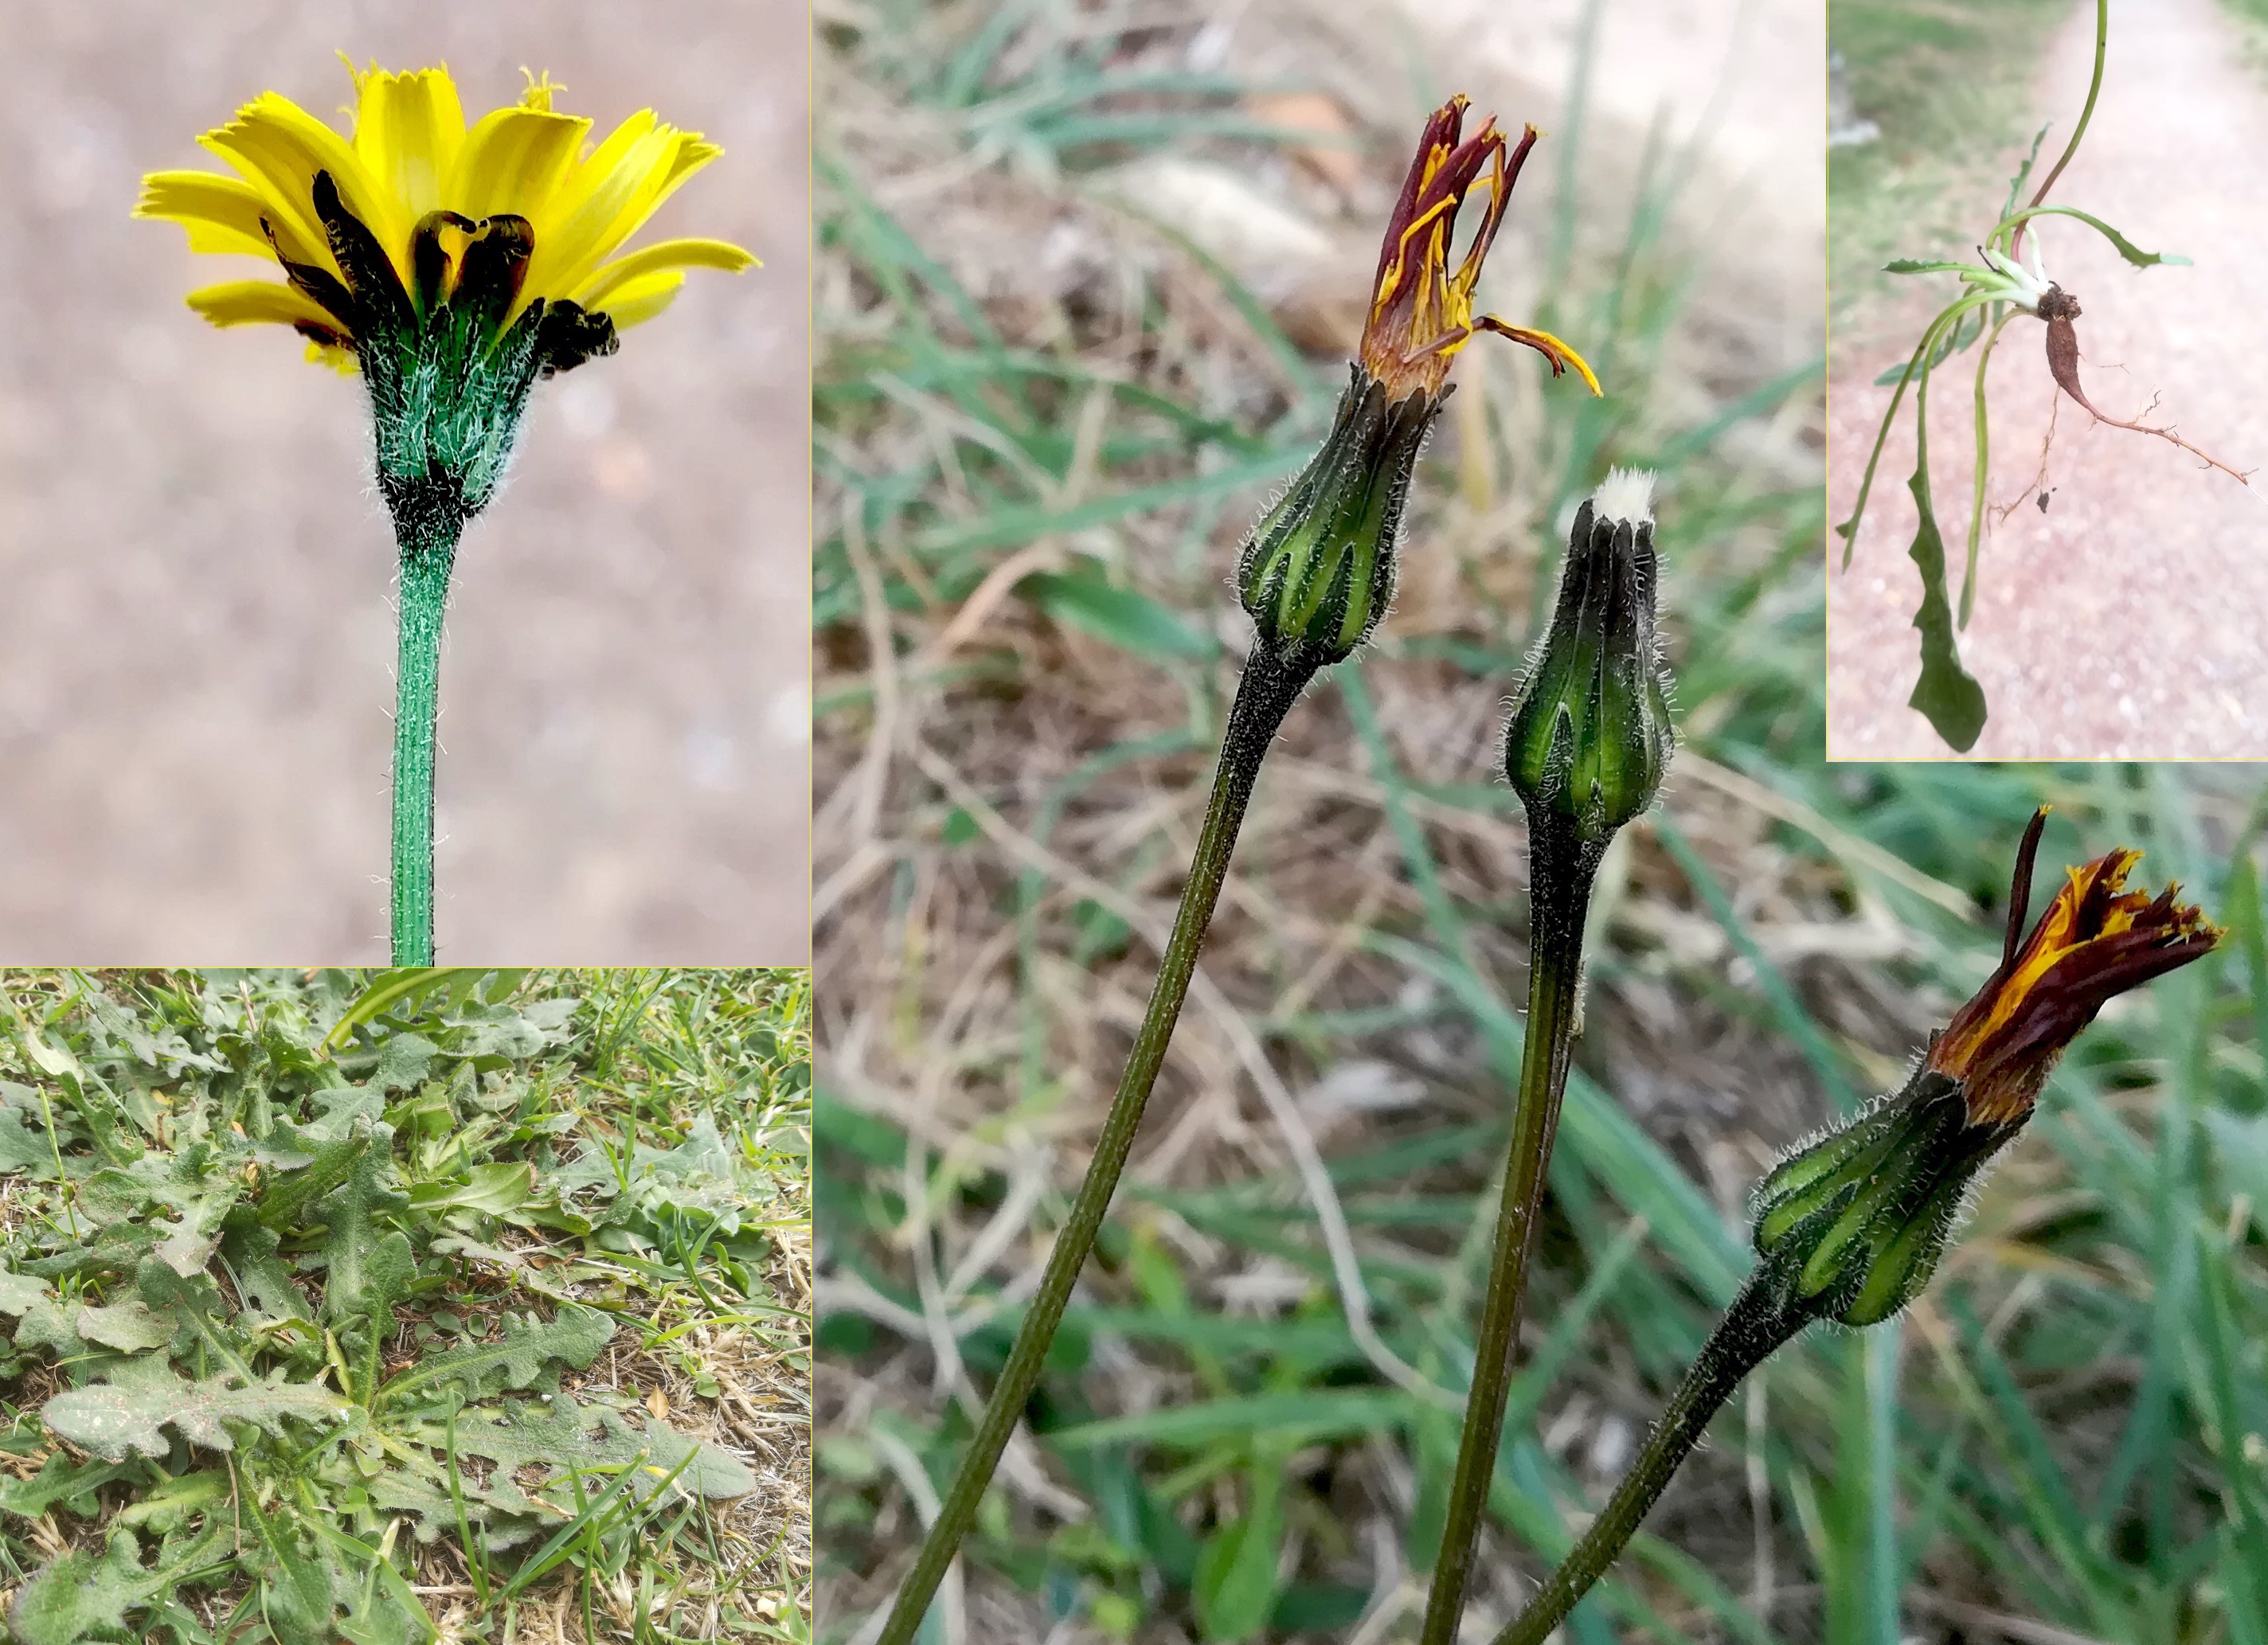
1559	897
425	569
1315	575
1852	1226
451	267
1586	744
1264	696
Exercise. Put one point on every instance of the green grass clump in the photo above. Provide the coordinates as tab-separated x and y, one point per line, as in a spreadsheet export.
371	1308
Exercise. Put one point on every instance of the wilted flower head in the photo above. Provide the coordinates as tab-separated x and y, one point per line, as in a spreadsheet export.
1317	573
2096	940
1852	1224
1589	735
1421	310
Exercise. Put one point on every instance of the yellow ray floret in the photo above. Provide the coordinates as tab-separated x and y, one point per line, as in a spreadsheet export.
409	154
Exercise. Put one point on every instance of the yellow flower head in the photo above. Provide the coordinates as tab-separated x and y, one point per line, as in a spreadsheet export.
1421	309
2096	940
517	207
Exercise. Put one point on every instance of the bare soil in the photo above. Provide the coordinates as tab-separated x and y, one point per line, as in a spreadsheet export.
2124	622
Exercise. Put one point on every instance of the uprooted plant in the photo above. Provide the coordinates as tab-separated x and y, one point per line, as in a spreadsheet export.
2009	279
295	1310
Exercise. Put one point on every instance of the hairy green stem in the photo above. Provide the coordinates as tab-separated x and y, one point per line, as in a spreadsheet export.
1759	1321
425	567
1561	872
1264	697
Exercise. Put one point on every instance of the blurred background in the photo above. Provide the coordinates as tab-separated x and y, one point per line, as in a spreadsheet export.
197	641
2123	620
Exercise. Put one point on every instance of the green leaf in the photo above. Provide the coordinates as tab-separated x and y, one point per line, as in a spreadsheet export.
81	1594
2024	171
1956	340
1236	1580
196	1183
1927	265
61	1480
494	1189
1125	617
298	1594
20	1292
411	984
46	1325
1946	694
367	1271
128	1327
568	1435
176	1497
22	1150
117	1419
401	1062
576	1336
292	1193
264	1282
2127	249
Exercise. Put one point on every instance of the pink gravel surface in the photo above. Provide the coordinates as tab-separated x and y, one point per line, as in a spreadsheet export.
196	642
2127	621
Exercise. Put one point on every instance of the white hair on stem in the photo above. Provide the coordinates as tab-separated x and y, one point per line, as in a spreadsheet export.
1626	494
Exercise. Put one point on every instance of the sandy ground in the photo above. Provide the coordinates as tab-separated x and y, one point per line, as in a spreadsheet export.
195	638
2125	620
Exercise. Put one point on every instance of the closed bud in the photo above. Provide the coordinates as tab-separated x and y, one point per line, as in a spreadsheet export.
1317	573
1589	734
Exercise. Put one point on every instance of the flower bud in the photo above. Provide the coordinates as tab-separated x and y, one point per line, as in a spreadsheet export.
1589	734
1317	573
1852	1225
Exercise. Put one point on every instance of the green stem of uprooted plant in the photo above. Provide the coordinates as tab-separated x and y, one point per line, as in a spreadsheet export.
425	568
1984	463
2086	114
1561	872
1926	354
1264	697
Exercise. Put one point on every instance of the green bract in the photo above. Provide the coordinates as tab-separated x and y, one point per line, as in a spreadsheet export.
1589	732
1853	1224
1317	573
448	382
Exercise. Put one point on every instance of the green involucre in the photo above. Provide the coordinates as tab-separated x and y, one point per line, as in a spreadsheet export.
1589	733
1853	1224
1317	573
